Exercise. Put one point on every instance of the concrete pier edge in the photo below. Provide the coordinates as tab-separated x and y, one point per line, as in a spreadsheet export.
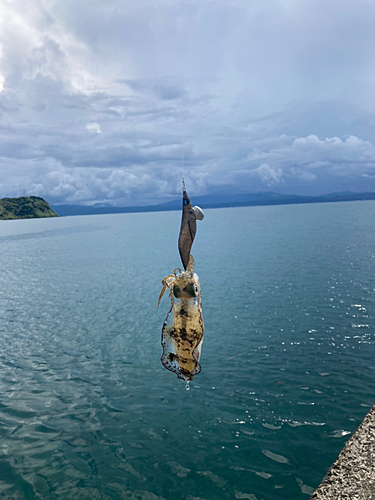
352	475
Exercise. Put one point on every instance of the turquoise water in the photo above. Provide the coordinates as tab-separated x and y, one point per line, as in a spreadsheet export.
88	412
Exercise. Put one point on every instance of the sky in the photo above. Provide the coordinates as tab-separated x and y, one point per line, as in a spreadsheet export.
113	102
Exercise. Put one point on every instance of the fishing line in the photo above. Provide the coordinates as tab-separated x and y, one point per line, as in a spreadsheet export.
182	84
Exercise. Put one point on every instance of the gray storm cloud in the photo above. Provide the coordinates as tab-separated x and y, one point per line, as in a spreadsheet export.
113	102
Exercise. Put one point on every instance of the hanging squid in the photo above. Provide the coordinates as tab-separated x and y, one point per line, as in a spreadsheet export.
183	328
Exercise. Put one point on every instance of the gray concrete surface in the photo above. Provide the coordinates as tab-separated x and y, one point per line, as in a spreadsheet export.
352	475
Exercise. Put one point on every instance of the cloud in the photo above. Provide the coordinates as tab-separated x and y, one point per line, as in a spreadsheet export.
166	88
268	175
94	128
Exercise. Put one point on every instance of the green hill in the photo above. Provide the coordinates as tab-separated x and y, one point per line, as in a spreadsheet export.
25	207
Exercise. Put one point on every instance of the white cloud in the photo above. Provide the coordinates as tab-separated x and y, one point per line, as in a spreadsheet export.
269	176
94	128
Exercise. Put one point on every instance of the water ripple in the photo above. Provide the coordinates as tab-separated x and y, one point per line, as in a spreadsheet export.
87	411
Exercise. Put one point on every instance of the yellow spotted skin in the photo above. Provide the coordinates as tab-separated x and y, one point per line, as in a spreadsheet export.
182	333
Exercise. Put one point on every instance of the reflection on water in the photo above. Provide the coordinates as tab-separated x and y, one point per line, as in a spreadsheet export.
86	409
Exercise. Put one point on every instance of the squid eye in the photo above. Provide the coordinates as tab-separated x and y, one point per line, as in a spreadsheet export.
186	202
196	289
176	291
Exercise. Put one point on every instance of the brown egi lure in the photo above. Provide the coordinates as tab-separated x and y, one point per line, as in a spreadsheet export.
183	328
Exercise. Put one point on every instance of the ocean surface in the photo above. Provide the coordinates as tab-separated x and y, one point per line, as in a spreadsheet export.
87	411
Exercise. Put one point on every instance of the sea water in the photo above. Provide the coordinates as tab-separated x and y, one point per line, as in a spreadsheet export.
87	411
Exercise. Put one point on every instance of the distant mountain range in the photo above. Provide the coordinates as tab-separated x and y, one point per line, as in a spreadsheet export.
217	201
